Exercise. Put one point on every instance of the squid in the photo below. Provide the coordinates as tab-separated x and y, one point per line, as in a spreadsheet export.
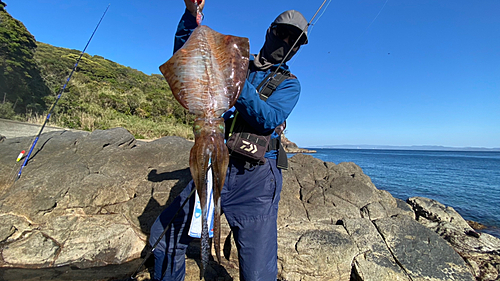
206	77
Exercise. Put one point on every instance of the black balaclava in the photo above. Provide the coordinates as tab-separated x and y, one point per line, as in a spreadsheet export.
275	49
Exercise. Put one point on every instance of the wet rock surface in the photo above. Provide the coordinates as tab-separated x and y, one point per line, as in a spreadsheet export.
84	204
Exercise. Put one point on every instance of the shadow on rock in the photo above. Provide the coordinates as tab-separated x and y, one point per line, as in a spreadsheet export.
154	208
110	272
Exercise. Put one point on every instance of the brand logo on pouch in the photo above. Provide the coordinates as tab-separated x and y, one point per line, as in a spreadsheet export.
249	147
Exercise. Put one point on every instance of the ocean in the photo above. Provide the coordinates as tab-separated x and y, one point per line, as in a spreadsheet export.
467	181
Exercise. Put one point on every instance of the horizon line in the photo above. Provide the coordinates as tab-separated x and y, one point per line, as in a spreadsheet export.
411	147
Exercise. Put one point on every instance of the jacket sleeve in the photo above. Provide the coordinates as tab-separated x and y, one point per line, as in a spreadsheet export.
265	116
186	26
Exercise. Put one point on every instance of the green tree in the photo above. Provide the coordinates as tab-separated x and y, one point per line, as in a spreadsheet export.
20	82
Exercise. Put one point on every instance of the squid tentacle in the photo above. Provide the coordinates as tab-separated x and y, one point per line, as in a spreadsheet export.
219	176
198	166
209	147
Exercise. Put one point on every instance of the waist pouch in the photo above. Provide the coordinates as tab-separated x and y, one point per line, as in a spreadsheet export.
247	145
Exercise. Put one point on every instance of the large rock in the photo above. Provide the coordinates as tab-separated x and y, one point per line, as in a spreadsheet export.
421	253
480	250
355	231
86	200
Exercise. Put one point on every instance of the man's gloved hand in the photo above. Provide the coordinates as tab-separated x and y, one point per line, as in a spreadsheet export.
191	6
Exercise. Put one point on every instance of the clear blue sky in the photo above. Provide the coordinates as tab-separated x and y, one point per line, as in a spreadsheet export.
377	72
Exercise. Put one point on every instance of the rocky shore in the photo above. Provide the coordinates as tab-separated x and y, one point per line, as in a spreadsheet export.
84	204
292	148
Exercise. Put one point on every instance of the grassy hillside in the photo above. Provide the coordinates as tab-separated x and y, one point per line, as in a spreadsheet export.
101	94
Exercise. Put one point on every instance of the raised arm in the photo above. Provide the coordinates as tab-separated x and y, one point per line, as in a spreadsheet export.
187	23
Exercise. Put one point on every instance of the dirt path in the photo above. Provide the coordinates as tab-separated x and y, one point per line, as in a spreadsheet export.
13	129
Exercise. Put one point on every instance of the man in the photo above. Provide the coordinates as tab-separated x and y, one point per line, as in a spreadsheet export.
251	192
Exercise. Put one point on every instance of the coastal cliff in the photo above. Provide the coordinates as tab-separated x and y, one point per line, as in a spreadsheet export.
85	202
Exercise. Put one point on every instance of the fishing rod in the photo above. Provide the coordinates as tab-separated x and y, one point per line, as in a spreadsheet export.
57	99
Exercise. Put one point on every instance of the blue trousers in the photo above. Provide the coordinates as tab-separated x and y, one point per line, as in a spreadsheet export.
249	201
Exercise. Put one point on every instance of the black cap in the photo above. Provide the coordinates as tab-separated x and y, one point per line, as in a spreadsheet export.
295	19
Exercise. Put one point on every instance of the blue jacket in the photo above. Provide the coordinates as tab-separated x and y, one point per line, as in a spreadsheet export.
263	116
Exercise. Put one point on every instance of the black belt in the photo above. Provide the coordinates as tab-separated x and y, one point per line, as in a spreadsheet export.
274	144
